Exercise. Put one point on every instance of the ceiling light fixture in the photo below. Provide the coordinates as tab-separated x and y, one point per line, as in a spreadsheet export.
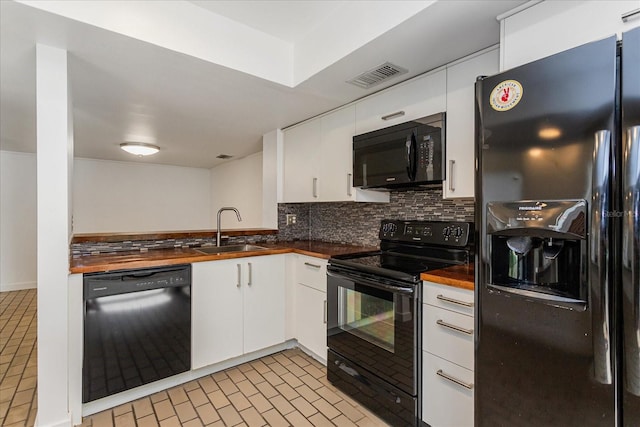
139	148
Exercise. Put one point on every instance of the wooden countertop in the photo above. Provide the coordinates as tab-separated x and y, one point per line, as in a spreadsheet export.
460	276
160	257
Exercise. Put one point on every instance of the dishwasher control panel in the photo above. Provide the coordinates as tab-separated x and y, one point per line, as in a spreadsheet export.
124	281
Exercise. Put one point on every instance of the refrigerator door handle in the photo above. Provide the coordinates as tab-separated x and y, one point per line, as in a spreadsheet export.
630	255
599	250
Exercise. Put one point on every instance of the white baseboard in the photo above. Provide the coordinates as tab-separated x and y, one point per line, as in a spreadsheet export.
8	287
61	423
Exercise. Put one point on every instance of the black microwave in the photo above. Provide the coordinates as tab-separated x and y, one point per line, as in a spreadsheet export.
406	155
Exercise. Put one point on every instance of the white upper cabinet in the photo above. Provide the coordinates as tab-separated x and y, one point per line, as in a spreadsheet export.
460	136
301	169
318	161
337	130
422	96
550	27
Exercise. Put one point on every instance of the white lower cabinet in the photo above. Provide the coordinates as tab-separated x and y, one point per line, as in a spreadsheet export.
311	304
446	400
237	307
448	356
311	315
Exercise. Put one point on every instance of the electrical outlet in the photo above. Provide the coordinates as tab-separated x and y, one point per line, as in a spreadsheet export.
291	219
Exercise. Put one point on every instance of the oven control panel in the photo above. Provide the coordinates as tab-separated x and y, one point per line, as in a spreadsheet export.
428	232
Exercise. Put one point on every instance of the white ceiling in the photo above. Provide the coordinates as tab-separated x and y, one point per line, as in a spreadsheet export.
287	20
124	88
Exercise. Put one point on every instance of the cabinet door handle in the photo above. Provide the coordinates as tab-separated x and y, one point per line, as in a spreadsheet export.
249	281
239	275
325	312
629	15
349	176
315	187
454	327
450	177
454	301
453	379
308	264
393	115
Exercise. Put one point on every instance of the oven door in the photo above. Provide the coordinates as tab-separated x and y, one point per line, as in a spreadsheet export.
374	324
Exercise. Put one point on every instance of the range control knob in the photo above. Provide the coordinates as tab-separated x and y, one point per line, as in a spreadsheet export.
458	232
389	227
446	231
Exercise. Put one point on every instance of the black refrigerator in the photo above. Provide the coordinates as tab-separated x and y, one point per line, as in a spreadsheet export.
558	214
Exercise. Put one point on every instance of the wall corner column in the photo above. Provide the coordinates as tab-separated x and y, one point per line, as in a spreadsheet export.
54	155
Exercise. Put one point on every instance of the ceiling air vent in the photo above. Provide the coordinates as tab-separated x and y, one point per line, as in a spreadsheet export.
377	75
223	156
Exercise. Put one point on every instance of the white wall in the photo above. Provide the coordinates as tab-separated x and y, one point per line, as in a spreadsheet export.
126	196
238	183
17	221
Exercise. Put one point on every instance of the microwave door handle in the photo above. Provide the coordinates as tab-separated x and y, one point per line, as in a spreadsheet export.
411	161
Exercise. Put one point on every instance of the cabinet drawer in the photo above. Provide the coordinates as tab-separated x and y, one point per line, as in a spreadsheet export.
446	400
449	297
449	335
312	272
417	98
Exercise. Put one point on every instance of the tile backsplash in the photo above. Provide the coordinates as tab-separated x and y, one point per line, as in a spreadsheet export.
358	223
97	248
339	222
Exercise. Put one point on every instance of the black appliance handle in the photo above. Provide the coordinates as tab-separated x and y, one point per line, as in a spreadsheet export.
411	155
377	285
599	259
631	257
356	375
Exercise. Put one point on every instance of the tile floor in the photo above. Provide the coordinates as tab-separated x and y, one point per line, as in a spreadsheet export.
18	358
286	389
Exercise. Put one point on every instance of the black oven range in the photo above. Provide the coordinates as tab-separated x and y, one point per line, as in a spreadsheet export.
374	325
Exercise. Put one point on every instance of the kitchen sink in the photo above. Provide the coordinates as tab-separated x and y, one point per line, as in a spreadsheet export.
212	250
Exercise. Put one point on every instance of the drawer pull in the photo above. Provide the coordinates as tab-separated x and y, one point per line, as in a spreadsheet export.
239	275
452	188
454	379
454	301
312	265
325	312
393	115
454	327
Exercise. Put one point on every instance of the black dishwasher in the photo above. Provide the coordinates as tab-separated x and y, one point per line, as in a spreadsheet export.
137	328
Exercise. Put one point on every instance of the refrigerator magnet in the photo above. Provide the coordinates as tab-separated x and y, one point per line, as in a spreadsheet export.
506	95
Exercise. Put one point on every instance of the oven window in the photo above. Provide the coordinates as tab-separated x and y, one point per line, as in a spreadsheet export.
368	317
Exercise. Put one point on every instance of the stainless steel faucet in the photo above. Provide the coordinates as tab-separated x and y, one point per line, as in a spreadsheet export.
218	233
